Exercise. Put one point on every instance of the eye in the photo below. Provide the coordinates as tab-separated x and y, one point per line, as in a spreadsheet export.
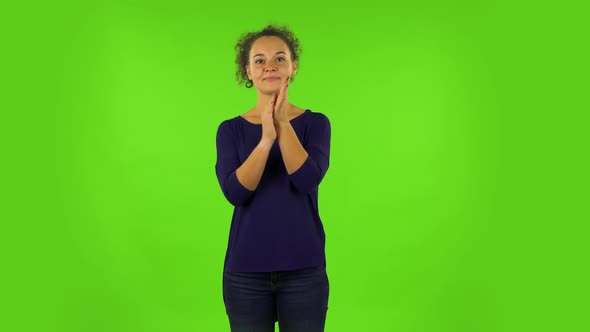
279	58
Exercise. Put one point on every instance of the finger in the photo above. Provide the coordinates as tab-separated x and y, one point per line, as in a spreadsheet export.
286	88
279	99
282	92
274	101
286	85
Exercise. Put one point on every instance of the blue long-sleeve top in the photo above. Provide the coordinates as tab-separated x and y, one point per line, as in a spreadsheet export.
276	227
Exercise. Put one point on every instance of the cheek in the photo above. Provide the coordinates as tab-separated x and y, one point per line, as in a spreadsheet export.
259	73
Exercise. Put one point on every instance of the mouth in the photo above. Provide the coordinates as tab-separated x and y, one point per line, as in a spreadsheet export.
271	79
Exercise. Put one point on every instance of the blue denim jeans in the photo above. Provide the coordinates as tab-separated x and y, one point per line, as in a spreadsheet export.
297	299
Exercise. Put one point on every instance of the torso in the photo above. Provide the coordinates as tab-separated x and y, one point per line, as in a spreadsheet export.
255	118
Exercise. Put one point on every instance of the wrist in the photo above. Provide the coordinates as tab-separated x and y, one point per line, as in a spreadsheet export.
265	145
283	124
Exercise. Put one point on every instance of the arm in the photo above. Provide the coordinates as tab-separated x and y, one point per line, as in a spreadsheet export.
306	165
250	172
294	154
238	182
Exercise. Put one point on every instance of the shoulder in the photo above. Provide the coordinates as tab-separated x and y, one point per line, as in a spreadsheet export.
231	122
318	119
228	126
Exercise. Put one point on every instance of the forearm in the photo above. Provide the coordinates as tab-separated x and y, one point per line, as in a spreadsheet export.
294	155
250	172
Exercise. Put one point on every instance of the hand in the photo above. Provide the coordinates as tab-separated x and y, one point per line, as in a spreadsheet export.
280	110
269	133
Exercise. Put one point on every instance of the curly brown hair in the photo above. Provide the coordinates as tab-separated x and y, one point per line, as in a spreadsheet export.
246	41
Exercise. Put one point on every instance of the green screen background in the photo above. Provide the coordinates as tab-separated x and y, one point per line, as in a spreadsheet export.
455	198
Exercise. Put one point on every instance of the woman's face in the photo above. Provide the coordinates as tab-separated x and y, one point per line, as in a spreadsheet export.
269	57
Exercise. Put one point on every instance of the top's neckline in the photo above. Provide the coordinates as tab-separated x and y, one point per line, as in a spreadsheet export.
260	124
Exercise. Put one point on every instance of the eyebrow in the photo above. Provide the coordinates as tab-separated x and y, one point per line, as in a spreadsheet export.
263	54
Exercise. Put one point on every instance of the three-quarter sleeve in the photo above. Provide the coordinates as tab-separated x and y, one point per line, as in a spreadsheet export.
317	145
226	165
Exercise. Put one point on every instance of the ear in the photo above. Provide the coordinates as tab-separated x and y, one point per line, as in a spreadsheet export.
248	72
294	68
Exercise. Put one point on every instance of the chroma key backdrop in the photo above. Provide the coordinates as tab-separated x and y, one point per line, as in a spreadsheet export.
456	197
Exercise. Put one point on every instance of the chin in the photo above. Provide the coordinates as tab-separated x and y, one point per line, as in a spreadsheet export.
269	91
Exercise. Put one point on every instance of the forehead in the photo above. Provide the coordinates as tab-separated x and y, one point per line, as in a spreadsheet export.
268	45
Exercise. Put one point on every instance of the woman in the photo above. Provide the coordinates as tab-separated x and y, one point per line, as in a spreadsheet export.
270	162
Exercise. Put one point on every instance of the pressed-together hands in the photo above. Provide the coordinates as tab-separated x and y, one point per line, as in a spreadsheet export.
275	123
274	114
